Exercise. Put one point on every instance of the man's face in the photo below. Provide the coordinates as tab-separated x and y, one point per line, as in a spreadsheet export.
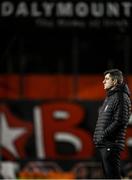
108	82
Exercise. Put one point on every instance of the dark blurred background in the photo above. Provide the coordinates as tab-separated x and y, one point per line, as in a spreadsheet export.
64	50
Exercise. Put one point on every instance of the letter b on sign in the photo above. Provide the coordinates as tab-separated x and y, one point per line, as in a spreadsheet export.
61	123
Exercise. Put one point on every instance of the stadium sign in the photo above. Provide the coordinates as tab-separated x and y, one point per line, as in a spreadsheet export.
81	14
60	9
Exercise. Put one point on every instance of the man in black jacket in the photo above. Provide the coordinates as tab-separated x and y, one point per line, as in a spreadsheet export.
110	131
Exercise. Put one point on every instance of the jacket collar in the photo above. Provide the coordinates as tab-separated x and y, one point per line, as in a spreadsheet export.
119	88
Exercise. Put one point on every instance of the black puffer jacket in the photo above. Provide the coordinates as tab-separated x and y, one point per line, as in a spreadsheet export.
113	118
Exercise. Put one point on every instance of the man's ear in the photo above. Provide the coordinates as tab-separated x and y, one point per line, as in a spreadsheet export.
115	81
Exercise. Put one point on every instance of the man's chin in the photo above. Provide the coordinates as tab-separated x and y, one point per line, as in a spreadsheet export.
105	88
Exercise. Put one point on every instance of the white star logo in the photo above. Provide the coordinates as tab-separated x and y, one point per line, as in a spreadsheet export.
9	135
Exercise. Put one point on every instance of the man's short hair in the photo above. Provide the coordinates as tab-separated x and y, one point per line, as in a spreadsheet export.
115	74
